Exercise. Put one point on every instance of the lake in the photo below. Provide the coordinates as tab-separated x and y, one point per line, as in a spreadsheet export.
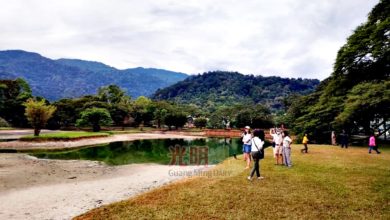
161	151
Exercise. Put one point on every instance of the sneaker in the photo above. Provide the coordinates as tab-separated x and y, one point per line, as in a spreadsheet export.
249	178
246	168
260	178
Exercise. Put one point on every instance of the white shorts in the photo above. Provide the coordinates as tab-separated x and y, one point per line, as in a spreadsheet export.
278	150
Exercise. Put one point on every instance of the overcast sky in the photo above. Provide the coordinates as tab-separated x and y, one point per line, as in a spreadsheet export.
289	38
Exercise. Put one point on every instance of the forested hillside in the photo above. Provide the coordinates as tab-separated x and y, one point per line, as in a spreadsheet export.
219	88
68	78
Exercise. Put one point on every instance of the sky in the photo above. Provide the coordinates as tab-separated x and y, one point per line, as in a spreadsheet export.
287	38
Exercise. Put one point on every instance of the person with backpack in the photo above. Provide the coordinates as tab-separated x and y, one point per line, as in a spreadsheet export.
257	153
372	144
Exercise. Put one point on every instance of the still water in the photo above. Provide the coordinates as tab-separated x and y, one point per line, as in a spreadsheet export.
161	151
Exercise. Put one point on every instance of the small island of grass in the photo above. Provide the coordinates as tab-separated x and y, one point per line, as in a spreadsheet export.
65	136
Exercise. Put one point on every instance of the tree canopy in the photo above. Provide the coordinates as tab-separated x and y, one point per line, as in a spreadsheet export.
357	91
38	113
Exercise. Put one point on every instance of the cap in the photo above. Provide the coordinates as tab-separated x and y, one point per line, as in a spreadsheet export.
247	127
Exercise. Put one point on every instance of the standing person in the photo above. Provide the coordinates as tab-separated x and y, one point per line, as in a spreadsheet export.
287	149
333	138
278	148
344	139
273	135
372	144
257	153
305	140
246	147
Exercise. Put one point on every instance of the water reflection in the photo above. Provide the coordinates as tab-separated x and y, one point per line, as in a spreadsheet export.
153	151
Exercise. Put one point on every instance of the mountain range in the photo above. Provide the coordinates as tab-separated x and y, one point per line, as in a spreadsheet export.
69	78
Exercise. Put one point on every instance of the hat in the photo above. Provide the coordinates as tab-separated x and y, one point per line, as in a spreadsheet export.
247	127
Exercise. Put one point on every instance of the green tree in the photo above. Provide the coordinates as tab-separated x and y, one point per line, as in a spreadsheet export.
111	94
177	119
353	95
365	102
13	93
3	123
161	109
37	113
95	117
200	122
257	116
142	110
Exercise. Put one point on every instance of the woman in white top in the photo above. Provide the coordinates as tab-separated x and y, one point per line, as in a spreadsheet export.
287	149
257	153
247	144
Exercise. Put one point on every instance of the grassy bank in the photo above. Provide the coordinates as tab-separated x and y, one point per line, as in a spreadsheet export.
327	183
6	128
64	136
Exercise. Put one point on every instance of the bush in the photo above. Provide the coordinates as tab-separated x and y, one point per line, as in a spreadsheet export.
200	122
3	123
94	117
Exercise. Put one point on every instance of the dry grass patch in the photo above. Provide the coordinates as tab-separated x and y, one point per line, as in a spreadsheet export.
327	183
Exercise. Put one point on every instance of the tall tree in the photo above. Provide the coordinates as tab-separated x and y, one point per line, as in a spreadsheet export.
37	113
95	117
351	97
13	93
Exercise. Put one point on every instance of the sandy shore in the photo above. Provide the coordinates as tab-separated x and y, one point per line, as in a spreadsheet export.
32	188
21	145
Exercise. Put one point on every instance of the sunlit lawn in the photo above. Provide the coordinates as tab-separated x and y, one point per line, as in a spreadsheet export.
64	135
327	183
6	128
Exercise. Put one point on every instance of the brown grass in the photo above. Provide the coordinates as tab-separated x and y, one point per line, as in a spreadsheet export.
327	183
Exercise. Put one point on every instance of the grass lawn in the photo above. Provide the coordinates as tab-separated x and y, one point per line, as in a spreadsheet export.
64	135
131	130
6	128
327	183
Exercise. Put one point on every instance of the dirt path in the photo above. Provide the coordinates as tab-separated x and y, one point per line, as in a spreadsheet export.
33	188
22	145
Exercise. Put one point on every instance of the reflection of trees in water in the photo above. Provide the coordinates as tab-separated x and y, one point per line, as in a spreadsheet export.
146	151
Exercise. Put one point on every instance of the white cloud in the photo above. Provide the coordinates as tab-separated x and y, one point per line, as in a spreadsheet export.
289	38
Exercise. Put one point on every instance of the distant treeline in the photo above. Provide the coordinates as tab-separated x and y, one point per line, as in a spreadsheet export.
214	89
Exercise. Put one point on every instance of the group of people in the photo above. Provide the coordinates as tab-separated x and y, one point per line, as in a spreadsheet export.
253	148
343	141
281	144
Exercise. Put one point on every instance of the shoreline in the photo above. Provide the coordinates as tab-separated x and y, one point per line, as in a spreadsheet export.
62	189
24	146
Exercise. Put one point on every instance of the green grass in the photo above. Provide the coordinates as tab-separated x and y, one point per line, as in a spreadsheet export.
327	183
6	128
64	135
131	130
